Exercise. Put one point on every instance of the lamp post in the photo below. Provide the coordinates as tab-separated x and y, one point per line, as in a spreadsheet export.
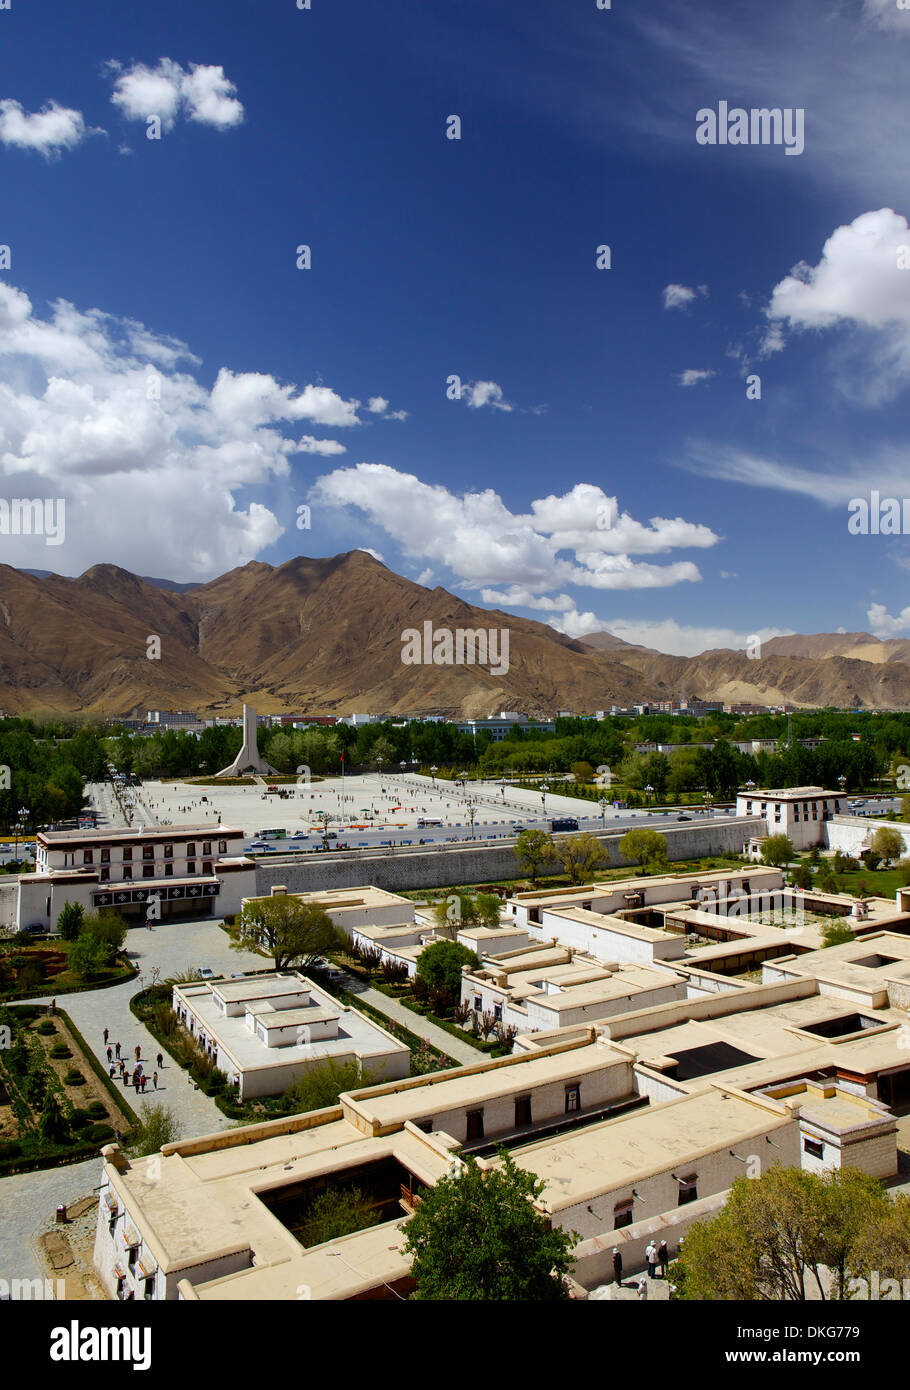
603	811
543	797
433	771
649	790
472	811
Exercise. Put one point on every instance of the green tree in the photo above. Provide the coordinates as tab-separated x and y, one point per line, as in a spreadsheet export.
337	1212
158	1125
837	933
760	1246
534	849
802	876
87	956
53	1125
440	965
777	850
458	910
108	929
883	1244
321	1086
644	847
293	932
69	923
477	1235
826	878
887	843
853	1203
582	855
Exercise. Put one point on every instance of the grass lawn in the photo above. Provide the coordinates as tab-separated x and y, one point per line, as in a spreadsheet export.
882	883
42	970
548	881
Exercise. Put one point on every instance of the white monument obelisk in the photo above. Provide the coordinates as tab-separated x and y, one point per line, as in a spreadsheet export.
248	759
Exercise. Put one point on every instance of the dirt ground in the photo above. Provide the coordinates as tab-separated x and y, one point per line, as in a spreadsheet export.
64	1252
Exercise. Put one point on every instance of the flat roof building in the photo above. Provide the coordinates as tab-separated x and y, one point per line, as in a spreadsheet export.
266	1031
189	869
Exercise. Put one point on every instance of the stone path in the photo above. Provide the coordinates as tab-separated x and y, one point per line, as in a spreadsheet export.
460	1052
172	947
28	1201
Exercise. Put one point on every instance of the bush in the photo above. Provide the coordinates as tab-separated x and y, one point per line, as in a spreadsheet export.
74	1077
69	922
10	1148
60	1052
88	956
80	1119
158	1126
46	1028
97	1110
35	1087
100	1134
30	976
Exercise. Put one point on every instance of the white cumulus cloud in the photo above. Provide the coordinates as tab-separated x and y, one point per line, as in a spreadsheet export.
882	624
202	94
663	634
487	545
693	375
152	465
48	131
862	282
326	447
677	296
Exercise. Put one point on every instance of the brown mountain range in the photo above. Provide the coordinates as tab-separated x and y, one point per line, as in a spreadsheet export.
325	636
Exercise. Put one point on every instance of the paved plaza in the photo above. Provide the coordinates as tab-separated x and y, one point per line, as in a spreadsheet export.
367	803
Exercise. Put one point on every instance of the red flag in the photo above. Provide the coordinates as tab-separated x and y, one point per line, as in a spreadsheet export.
342	757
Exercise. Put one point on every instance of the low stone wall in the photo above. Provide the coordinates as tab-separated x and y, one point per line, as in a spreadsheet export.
412	869
594	1258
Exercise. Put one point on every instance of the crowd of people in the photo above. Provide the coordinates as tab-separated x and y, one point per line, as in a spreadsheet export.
135	1076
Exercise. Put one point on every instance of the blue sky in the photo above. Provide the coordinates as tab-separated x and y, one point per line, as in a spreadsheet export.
168	370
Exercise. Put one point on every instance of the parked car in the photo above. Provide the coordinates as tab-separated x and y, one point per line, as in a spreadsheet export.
206	972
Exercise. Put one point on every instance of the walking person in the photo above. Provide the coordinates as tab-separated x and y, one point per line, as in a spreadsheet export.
107	1034
110	1054
138	1052
617	1265
155	1079
160	1060
663	1258
651	1257
117	1050
643	1288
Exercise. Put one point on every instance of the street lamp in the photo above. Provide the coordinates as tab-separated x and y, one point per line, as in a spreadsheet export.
649	790
433	771
603	811
543	796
